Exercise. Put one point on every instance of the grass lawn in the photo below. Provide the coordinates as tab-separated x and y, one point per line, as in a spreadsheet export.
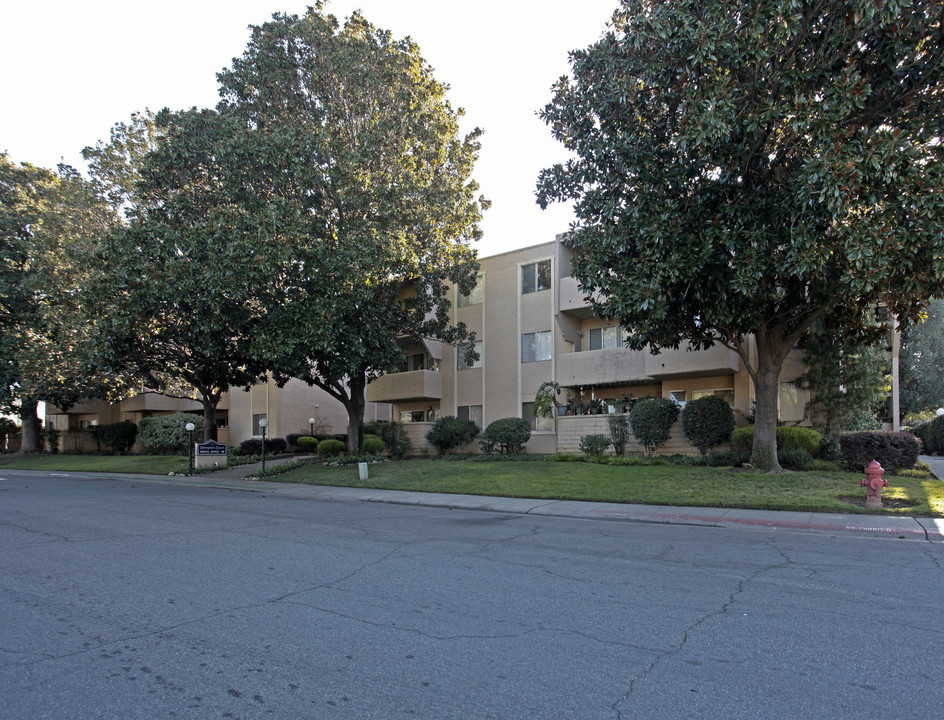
135	464
647	485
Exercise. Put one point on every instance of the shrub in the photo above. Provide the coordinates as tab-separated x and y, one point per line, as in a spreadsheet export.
292	439
794	458
393	434
307	443
167	434
788	438
619	432
372	445
450	433
707	422
119	436
253	446
651	420
508	435
331	447
594	445
893	450
932	435
727	458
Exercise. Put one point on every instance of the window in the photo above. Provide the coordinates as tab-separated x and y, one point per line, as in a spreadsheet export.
475	297
605	338
256	417
412	416
461	364
536	346
793	402
470	412
726	395
541	424
536	276
679	396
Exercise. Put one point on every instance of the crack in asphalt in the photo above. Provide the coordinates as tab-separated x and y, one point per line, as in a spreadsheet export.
662	655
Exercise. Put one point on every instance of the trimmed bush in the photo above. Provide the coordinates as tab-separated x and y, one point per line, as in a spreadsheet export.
651	420
893	450
931	435
594	445
393	434
619	432
292	439
167	434
707	422
372	445
331	447
788	438
507	435
253	446
307	443
119	436
450	433
794	458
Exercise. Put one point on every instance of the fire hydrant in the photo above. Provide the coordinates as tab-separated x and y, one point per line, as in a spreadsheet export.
874	483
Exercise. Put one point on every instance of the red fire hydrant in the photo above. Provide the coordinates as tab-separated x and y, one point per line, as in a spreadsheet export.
874	483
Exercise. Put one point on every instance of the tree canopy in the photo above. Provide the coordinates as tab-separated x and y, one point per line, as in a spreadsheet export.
51	225
744	168
355	165
183	282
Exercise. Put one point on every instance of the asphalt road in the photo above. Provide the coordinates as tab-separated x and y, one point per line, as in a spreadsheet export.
125	599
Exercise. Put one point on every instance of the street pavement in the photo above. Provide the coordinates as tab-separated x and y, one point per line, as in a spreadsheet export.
139	598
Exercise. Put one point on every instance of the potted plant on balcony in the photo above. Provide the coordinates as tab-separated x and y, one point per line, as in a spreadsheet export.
545	399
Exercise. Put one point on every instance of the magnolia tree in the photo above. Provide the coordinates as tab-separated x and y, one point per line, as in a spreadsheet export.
51	226
744	168
354	164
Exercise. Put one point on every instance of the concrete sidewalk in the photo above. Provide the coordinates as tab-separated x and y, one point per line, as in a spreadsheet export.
906	528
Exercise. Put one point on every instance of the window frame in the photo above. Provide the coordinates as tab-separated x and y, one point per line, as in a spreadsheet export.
534	346
532	275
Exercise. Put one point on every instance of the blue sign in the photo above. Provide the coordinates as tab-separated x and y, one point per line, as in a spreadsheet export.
211	447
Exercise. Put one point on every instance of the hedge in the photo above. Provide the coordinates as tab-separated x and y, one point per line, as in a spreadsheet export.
893	450
167	434
931	435
788	438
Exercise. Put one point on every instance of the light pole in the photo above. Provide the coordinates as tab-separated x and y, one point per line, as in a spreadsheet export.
263	424
190	428
311	427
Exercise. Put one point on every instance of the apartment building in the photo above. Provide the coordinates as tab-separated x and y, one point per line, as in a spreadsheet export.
532	324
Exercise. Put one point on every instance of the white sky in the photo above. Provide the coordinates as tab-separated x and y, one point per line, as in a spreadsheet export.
72	69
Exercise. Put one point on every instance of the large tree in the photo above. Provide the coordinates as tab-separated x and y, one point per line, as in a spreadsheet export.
181	281
744	168
352	160
51	225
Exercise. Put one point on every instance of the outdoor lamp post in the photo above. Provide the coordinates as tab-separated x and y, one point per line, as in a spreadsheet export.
263	424
190	428
311	427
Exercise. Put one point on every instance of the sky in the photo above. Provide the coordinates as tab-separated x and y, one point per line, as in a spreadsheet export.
70	70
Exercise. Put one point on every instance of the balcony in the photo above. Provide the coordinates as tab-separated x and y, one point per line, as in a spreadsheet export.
600	367
682	363
571	300
406	386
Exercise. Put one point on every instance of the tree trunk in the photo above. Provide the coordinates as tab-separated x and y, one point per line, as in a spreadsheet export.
209	402
31	439
767	390
355	413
